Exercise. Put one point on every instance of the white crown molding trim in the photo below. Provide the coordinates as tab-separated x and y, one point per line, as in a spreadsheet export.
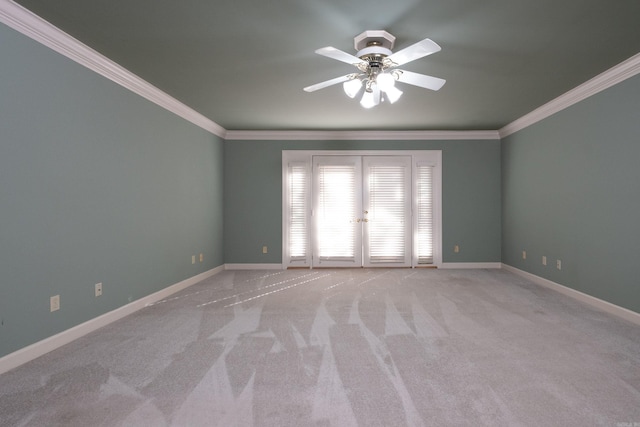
611	77
40	348
31	25
469	265
605	306
380	135
253	267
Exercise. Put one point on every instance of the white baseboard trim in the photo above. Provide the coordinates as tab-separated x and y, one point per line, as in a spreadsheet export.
40	348
451	265
445	265
605	306
253	267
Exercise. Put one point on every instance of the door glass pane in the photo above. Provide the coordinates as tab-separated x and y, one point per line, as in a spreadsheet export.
298	190
387	230
424	234
335	212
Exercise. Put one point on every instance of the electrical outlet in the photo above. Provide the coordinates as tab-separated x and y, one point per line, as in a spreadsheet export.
98	289
264	250
524	254
559	264
201	257
54	303
193	259
544	260
456	249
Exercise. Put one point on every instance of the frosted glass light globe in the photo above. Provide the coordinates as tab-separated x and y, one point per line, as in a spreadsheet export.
385	81
352	87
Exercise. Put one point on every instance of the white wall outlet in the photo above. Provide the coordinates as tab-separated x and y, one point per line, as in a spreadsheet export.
544	260
193	259
559	264
201	257
54	303
264	249
456	249
524	254
98	289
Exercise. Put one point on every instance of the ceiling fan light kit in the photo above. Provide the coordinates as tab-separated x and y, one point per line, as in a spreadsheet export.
352	87
377	64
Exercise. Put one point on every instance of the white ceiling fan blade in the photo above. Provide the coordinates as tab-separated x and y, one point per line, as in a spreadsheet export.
422	80
413	52
328	83
332	52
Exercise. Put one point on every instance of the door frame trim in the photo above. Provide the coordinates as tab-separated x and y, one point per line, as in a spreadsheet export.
434	156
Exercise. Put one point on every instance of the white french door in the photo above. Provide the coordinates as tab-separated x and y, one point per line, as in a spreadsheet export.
387	211
375	209
337	211
361	211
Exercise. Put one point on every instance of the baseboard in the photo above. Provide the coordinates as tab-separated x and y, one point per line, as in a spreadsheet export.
253	267
445	265
475	265
35	350
608	307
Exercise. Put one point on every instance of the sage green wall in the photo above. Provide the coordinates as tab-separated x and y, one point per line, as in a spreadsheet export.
571	191
253	195
96	185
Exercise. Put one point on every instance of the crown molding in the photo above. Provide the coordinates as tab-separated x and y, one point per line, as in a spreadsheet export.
605	80
31	25
380	135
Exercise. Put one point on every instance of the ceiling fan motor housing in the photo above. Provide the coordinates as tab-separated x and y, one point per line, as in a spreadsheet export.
379	37
373	46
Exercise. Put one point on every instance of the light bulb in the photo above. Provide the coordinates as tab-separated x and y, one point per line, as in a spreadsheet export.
367	100
385	81
377	94
393	94
352	87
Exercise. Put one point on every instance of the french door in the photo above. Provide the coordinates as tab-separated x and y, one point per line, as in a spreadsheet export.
354	210
361	211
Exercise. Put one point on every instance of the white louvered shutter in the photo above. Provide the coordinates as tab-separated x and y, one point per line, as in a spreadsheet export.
338	199
388	211
298	212
424	233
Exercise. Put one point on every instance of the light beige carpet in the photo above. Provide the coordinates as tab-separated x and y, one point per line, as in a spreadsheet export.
368	347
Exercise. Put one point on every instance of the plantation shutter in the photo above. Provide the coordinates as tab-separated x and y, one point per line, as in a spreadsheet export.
298	212
345	209
424	233
336	212
388	217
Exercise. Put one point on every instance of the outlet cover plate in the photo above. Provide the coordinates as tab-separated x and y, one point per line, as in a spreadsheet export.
54	303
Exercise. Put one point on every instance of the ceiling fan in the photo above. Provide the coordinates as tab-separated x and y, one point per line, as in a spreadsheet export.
377	72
